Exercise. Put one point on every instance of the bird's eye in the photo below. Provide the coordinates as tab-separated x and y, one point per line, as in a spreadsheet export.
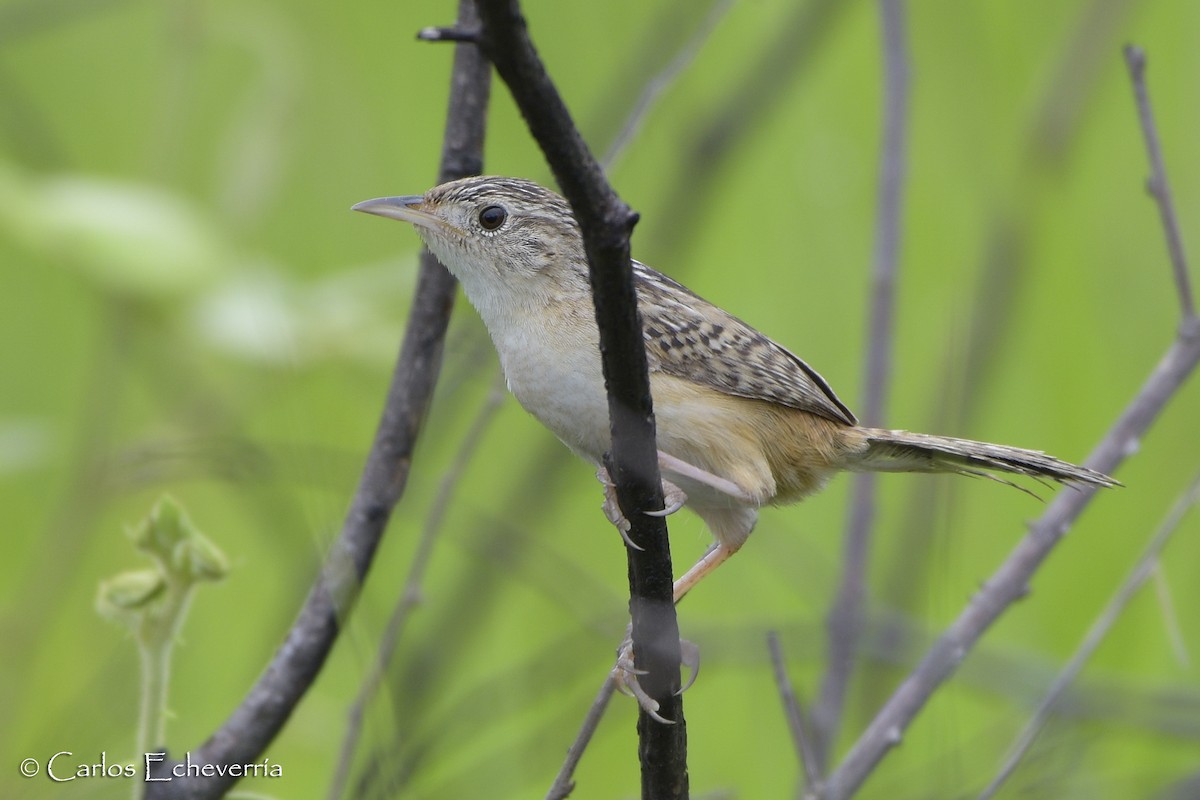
492	217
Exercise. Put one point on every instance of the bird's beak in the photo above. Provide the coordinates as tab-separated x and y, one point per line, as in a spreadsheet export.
409	208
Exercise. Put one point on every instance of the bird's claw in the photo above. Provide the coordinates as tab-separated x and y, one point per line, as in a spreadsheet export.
673	500
612	509
626	676
689	657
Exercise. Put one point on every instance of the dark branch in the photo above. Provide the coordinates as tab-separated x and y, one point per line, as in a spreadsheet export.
606	223
846	618
299	659
1156	184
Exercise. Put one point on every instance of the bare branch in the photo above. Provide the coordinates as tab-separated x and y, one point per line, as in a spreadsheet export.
1157	184
254	723
410	595
845	622
606	223
1142	570
564	782
794	713
1011	581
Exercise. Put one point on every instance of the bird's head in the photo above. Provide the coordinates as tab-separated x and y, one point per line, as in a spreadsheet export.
498	236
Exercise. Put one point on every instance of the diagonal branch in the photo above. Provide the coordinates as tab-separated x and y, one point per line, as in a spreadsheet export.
564	782
844	624
1145	566
658	84
297	662
798	726
1011	581
606	223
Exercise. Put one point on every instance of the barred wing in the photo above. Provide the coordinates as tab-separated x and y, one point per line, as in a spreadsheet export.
690	338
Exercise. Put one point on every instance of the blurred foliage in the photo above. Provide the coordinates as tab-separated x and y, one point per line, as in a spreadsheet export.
189	306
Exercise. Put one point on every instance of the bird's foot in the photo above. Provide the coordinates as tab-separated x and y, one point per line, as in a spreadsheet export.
673	499
626	675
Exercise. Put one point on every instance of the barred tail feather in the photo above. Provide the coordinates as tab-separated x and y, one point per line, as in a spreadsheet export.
901	451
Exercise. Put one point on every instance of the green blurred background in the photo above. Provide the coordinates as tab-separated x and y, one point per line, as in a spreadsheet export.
188	306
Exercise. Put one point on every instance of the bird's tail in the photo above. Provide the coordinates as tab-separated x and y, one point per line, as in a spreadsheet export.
901	451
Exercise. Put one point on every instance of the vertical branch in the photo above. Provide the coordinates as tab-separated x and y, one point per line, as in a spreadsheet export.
844	625
606	223
297	662
1005	268
1010	582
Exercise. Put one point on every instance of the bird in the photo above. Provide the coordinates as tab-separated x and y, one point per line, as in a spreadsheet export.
742	422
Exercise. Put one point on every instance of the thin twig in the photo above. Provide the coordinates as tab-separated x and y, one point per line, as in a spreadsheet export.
455	34
1171	618
564	782
1142	570
606	224
844	623
410	595
297	662
1157	184
662	81
794	714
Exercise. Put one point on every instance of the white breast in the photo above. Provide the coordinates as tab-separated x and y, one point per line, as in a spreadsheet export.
552	365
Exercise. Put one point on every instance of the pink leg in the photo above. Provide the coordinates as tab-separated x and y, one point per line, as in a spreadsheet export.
717	555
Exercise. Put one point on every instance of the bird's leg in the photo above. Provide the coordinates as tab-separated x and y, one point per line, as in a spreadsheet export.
714	557
673	497
683	469
624	671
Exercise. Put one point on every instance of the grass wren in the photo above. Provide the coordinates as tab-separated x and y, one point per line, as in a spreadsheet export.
742	422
